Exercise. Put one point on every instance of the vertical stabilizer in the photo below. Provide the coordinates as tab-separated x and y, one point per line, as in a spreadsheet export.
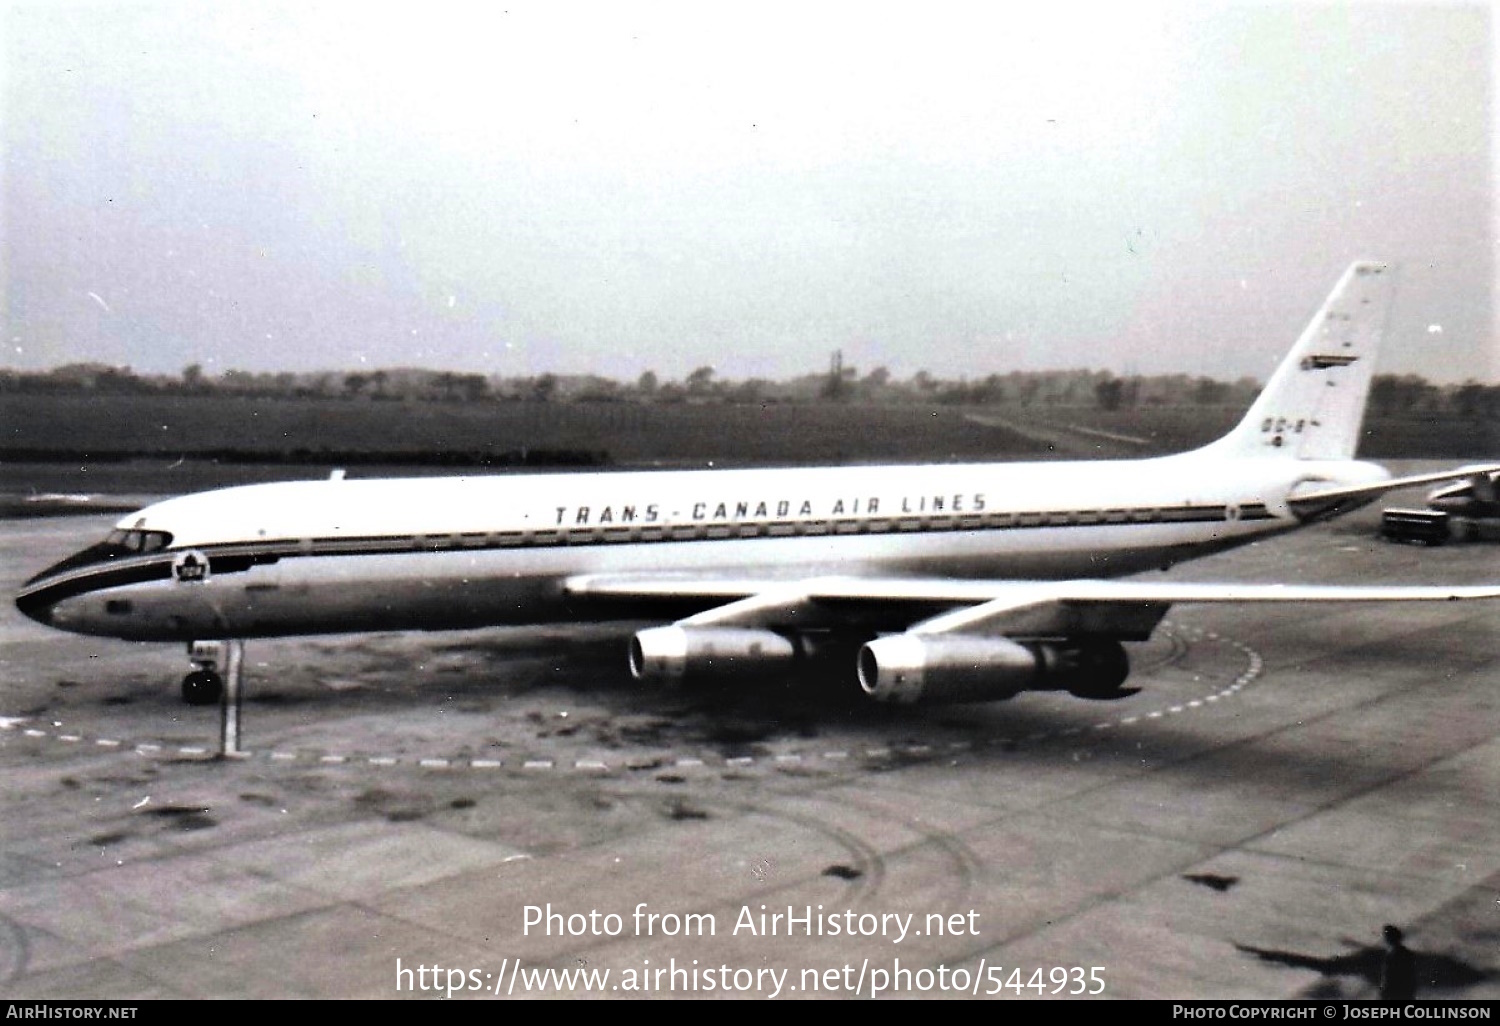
1314	404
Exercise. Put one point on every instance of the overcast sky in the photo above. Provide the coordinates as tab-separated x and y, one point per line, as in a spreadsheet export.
965	188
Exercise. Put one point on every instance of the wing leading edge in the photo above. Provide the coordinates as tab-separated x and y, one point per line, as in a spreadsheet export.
965	606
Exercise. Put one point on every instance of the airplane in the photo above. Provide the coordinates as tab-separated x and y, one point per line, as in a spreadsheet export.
1477	499
1468	511
948	582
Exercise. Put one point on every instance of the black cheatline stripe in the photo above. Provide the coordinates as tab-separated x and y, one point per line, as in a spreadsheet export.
81	583
78	580
236	557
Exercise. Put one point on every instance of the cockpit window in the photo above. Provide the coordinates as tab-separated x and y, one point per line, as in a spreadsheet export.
139	541
119	545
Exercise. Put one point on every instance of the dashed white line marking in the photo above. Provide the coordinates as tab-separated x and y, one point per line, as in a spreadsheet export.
1253	670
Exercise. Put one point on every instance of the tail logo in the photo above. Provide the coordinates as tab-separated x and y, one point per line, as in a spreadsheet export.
1324	362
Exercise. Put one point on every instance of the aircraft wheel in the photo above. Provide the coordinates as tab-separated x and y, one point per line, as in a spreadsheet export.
202	687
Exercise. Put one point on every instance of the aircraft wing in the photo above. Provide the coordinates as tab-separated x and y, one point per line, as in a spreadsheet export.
1322	503
1126	610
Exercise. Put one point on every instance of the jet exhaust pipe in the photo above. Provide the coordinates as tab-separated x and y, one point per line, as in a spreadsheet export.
669	653
910	668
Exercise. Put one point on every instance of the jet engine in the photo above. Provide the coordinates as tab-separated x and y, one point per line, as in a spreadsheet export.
909	668
673	652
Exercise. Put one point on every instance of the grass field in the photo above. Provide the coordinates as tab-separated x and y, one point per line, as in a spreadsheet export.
1174	428
155	444
630	434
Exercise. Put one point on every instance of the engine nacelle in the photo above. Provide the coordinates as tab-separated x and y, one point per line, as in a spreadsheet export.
908	668
668	653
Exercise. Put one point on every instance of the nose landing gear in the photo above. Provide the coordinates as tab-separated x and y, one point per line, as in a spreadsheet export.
202	687
206	685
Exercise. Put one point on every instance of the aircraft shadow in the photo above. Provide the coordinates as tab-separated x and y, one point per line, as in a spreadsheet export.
1434	972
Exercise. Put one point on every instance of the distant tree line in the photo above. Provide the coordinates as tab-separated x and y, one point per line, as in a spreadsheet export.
1391	395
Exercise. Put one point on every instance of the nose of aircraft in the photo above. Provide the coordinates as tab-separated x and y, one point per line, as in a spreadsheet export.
40	595
36	605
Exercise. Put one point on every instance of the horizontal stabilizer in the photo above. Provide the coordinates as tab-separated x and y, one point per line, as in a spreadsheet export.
1327	502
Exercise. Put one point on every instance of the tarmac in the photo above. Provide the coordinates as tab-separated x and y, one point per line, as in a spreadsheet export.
1280	782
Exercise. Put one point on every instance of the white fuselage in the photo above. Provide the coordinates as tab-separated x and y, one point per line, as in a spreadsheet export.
436	553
